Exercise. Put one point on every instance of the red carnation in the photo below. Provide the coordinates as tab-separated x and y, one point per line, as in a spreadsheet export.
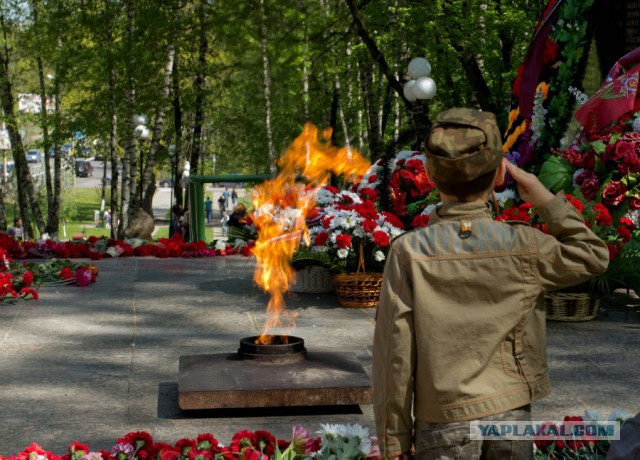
343	241
65	273
613	251
421	220
624	233
321	239
626	221
27	280
380	238
369	225
373	178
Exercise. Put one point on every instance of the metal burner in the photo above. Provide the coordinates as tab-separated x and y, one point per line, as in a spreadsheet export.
281	349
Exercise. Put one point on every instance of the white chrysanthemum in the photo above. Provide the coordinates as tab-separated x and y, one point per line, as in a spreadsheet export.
350	197
220	245
379	256
374	170
636	125
619	414
324	197
359	232
362	434
343	253
329	428
112	251
592	414
504	196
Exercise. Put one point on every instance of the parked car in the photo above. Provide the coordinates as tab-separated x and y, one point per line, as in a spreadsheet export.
165	183
10	168
84	168
34	156
99	157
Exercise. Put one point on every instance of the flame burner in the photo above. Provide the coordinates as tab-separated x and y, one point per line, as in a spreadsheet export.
281	349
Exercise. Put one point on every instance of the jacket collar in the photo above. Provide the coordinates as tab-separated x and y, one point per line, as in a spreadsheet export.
456	210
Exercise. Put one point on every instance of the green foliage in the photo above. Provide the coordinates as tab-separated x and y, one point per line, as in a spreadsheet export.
556	174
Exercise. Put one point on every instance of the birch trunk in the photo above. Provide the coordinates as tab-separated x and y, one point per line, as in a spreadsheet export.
267	87
128	202
113	135
27	198
148	183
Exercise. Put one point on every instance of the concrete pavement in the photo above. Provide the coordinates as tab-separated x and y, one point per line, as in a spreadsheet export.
91	364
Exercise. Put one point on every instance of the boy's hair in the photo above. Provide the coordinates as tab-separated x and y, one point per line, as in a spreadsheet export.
464	149
465	190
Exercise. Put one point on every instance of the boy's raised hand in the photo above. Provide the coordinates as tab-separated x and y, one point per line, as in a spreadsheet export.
530	188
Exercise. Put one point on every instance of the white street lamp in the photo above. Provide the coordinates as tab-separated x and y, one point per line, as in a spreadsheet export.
419	90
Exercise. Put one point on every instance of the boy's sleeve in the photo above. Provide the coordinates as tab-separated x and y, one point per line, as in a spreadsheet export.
571	253
394	359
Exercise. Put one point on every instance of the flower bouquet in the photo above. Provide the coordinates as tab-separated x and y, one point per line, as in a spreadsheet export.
592	449
412	196
355	237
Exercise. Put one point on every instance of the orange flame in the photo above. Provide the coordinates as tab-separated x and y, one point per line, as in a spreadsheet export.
281	206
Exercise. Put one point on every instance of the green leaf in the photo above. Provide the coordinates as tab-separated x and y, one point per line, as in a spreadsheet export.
598	146
556	174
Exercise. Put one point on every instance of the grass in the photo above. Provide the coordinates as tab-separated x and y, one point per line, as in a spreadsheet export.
88	200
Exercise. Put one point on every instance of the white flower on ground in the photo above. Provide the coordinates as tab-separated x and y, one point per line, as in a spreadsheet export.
379	256
592	414
343	253
220	245
92	456
619	414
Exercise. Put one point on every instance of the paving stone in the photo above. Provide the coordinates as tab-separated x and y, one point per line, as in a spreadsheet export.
95	363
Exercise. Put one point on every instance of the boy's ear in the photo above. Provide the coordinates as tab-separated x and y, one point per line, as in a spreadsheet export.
500	174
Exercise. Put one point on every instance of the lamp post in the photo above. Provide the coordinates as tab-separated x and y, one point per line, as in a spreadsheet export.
418	90
141	133
172	159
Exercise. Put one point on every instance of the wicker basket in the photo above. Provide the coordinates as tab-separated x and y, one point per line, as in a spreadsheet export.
359	289
313	279
568	306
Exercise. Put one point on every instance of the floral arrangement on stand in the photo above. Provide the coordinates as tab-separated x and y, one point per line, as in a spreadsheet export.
336	442
351	227
412	195
541	102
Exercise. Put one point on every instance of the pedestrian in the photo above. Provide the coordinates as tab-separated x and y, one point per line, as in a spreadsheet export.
225	222
238	217
234	197
221	204
226	194
460	329
17	230
208	208
106	218
176	220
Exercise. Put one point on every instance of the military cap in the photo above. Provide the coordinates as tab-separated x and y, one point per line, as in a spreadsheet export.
463	144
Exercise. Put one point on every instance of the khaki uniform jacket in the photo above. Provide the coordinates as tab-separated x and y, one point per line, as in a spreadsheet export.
460	330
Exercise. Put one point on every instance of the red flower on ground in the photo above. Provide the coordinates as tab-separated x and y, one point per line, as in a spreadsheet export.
65	273
27	279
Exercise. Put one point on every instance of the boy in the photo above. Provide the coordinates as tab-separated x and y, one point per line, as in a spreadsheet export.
460	330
